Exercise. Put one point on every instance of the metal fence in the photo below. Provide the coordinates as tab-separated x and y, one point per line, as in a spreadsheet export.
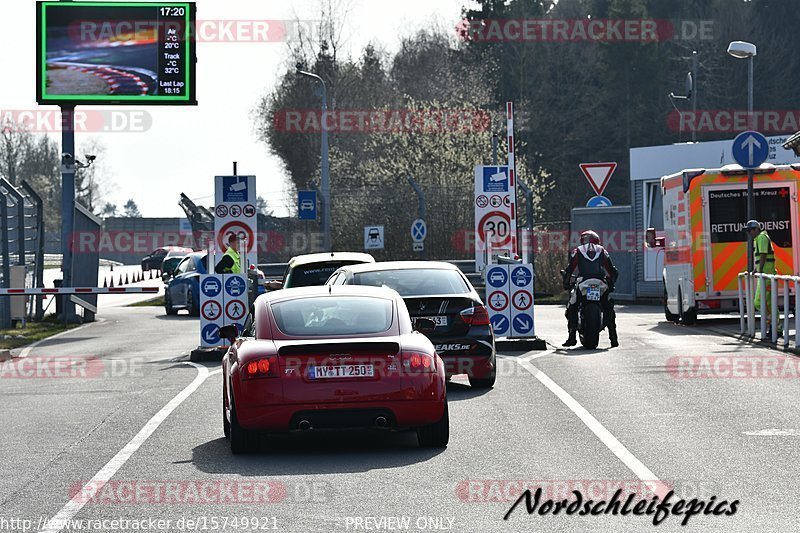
22	254
779	289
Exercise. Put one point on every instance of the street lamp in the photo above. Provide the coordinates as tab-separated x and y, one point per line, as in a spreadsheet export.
325	184
744	50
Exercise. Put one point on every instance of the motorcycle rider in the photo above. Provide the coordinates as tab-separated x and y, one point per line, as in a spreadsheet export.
590	261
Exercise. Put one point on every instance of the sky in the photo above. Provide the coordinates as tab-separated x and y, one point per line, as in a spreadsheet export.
185	147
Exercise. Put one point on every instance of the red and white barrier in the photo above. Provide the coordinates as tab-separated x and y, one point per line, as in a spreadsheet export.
80	290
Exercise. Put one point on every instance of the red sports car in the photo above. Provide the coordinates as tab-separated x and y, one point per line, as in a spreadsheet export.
317	358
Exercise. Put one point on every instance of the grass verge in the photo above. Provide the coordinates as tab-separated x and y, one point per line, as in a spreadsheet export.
33	331
153	302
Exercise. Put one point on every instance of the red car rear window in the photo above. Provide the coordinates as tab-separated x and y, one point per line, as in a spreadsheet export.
329	316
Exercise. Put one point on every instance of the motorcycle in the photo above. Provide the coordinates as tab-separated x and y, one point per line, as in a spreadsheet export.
590	311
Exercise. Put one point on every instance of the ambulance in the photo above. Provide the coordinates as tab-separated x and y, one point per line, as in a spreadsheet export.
704	243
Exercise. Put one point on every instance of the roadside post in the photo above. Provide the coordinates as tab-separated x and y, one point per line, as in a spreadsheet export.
750	149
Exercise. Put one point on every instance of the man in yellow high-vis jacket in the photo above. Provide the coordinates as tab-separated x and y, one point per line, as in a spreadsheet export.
764	259
230	262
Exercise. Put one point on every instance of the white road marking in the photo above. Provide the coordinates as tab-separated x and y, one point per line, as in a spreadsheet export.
605	436
27	349
773	433
531	357
61	519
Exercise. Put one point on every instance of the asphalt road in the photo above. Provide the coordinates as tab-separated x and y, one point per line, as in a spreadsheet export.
144	419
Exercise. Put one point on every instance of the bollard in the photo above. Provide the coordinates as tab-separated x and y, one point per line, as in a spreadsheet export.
773	310
741	305
120	281
762	284
110	285
126	279
786	313
105	282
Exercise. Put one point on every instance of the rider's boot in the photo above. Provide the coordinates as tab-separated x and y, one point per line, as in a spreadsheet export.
571	340
612	336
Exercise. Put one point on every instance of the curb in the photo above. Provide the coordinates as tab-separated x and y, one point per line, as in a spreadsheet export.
205	355
520	345
755	341
5	355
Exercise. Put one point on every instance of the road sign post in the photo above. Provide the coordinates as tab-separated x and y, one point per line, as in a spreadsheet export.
750	149
509	300
235	200
495	224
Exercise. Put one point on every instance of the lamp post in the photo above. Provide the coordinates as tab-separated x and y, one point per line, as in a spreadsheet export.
325	184
745	50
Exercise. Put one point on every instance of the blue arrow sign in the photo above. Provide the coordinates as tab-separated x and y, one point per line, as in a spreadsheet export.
499	324
210	334
307	205
523	324
496	277
598	201
211	287
750	149
521	276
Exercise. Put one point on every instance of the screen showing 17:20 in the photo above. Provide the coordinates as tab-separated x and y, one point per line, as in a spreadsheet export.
115	53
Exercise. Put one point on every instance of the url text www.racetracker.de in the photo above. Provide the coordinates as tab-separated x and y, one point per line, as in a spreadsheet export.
660	510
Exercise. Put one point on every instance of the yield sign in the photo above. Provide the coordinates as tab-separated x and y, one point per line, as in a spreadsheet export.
598	174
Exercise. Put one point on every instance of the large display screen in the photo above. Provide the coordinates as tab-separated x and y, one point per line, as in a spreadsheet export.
115	53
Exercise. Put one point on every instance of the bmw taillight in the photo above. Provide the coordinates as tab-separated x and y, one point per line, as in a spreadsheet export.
475	316
418	362
261	368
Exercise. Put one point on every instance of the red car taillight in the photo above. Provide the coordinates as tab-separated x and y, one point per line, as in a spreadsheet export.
261	368
475	316
417	362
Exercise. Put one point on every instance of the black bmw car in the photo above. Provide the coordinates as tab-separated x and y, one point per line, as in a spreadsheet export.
438	291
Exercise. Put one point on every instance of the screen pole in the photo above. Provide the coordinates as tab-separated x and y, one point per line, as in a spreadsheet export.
67	200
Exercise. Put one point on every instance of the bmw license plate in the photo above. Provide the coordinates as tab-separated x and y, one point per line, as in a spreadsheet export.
439	320
593	294
341	371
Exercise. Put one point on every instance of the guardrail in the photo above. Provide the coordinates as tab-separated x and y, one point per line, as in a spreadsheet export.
747	324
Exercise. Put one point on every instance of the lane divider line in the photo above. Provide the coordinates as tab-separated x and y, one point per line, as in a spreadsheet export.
606	437
72	507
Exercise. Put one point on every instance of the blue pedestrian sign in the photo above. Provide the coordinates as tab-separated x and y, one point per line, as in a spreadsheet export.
598	201
496	277
235	285
419	230
523	324
499	324
210	334
307	205
750	149
521	276
211	287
